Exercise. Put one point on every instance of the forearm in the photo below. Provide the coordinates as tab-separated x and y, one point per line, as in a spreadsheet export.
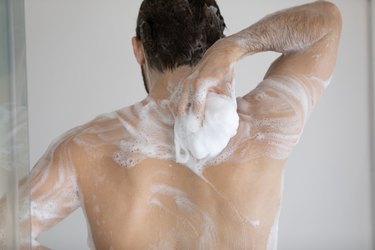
289	30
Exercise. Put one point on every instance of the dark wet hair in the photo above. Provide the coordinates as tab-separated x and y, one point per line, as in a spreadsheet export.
178	32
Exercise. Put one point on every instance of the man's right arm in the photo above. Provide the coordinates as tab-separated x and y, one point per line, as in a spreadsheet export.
54	185
300	33
54	189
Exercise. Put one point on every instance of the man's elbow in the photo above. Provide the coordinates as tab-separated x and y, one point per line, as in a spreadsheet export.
333	15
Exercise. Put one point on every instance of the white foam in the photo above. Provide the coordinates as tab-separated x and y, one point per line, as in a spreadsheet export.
180	198
205	224
206	140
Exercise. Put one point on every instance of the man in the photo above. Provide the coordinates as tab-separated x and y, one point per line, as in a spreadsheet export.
141	185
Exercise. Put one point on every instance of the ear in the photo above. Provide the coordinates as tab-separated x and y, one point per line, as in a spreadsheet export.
138	50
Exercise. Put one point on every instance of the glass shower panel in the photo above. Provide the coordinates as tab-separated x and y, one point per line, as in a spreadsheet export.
14	163
371	30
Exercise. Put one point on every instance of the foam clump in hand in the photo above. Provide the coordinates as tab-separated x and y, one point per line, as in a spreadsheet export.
205	140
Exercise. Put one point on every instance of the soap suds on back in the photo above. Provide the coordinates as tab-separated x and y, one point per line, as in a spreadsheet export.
200	223
272	118
267	122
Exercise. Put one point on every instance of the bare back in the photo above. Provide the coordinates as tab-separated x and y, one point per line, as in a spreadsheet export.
136	196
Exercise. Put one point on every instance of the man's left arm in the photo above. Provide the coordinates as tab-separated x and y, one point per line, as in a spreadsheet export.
306	35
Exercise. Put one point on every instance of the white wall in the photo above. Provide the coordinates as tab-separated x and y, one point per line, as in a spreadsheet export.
80	64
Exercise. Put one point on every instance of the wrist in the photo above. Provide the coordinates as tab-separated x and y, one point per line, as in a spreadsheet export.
231	48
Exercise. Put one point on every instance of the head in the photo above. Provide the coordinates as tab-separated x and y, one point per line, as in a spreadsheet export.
174	33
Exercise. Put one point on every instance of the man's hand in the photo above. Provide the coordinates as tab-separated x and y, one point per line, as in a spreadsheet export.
206	108
214	73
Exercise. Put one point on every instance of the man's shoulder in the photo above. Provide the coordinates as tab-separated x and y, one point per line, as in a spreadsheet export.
96	131
84	133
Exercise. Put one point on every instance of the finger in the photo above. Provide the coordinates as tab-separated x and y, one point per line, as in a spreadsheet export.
183	99
227	87
198	100
224	87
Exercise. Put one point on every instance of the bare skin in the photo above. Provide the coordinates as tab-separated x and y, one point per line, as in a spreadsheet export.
156	203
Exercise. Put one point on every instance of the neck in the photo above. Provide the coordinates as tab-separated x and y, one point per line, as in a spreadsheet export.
161	85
